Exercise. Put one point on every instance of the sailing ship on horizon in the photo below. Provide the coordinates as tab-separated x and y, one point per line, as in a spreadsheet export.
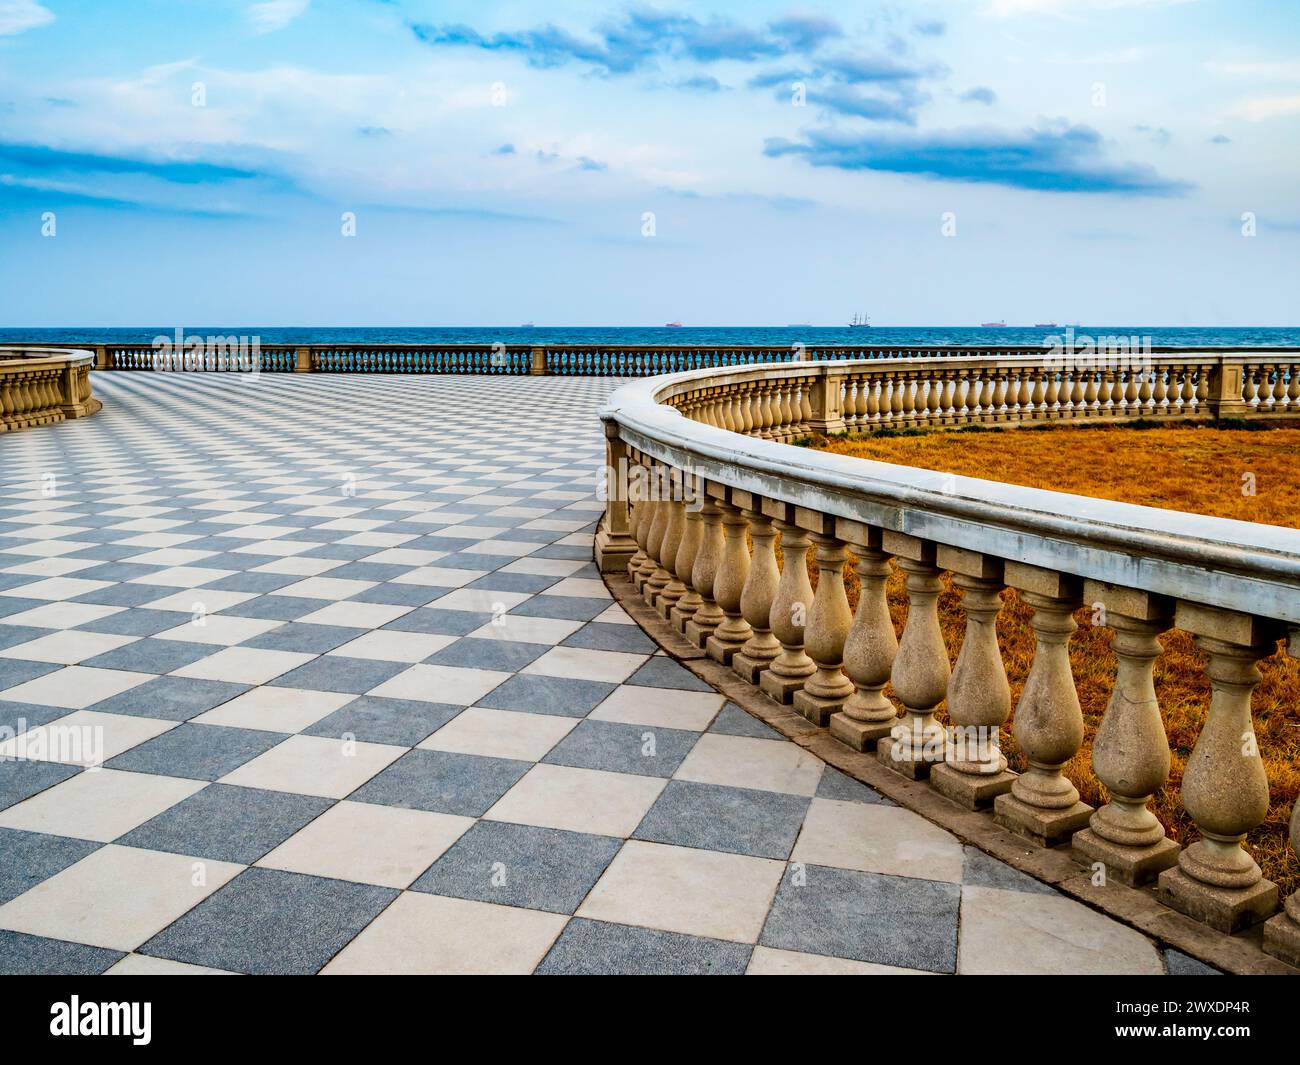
860	321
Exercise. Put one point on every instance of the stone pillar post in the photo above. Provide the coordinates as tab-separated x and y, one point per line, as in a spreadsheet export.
827	409
829	618
614	544
1225	391
870	647
302	360
974	772
921	670
1130	753
537	365
1225	789
789	614
1042	804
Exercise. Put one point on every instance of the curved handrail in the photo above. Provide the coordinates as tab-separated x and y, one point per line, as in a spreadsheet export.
1239	565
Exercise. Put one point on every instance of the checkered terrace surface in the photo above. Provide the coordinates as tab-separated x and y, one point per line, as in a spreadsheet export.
315	674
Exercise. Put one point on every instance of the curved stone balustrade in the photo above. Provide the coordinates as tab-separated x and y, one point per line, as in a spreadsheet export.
709	445
1265	375
43	385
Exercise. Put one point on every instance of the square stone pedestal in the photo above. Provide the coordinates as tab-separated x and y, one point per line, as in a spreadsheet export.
722	652
1226	910
663	607
696	636
782	689
679	621
1047	828
1134	866
749	669
1282	939
913	769
975	791
816	710
860	735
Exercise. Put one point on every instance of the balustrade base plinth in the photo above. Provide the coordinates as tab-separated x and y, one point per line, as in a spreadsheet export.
698	636
1282	939
892	757
816	709
749	669
722	651
782	689
860	735
975	791
1133	866
1226	910
1038	824
613	551
679	620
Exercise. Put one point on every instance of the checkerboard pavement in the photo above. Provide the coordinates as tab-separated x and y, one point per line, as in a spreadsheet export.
363	705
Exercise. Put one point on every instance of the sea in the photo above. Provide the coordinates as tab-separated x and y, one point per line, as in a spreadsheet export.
705	336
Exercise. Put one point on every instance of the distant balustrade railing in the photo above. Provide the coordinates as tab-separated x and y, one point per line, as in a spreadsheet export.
1267	378
701	488
43	385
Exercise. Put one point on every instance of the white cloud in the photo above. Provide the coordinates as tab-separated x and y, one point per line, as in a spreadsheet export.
18	16
1262	108
1012	8
271	15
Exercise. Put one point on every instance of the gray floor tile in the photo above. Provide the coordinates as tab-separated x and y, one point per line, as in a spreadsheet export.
519	865
371	719
983	870
228	824
507	656
199	752
151	655
733	721
1180	964
561	696
565	607
311	639
440	622
271	922
837	785
891	920
21	780
620	748
338	673
171	698
601	636
30	857
661	672
737	820
602	948
24	955
442	782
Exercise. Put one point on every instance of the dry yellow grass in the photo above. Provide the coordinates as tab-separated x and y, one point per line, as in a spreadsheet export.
1191	469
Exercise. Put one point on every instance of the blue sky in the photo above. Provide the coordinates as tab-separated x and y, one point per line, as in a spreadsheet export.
930	162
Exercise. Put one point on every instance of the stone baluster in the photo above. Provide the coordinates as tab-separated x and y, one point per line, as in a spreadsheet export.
788	616
1225	789
638	527
1282	933
974	772
708	560
672	589
1130	752
829	618
921	670
684	609
657	576
756	599
729	585
870	647
1042	804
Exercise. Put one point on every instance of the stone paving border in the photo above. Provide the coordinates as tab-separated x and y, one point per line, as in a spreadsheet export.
1241	954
